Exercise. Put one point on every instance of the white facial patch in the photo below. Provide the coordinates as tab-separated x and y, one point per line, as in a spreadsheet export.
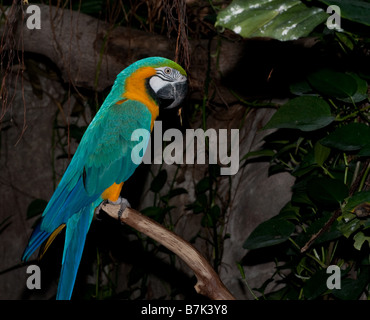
156	83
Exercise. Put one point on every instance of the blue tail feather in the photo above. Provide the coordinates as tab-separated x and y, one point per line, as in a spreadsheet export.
76	231
37	238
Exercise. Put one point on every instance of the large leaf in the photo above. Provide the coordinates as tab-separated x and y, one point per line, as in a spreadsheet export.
350	137
279	19
269	233
357	11
332	83
303	113
348	87
327	191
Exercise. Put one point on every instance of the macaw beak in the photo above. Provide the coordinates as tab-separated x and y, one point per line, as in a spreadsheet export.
173	93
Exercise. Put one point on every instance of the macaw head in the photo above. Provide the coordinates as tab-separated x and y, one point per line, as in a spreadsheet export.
161	79
169	84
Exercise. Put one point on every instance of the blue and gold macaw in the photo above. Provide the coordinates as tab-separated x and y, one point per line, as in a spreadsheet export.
103	160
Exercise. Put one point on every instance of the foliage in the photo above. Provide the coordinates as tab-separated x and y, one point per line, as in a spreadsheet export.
323	141
280	19
285	19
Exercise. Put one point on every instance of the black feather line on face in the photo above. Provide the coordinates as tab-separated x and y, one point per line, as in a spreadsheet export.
164	78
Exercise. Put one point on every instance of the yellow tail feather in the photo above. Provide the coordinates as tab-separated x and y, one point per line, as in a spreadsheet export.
50	240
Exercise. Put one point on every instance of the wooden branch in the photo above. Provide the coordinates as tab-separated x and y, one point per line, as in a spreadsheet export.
208	282
327	225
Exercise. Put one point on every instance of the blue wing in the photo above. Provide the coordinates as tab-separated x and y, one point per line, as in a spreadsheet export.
102	158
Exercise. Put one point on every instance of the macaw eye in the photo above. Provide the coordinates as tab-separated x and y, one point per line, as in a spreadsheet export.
167	70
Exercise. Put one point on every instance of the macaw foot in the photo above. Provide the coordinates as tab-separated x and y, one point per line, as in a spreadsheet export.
123	205
120	201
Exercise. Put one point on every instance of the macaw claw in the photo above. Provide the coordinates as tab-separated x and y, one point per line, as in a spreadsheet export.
122	202
123	205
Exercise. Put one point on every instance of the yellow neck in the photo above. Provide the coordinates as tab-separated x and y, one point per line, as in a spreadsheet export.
135	90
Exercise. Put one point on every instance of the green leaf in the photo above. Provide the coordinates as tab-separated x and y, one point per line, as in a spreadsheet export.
203	185
259	153
327	191
351	289
304	113
316	285
321	153
316	225
366	224
360	238
350	137
365	151
348	227
333	83
308	163
151	211
36	207
159	181
269	233
300	88
361	90
210	219
356	200
346	40
280	19
300	195
289	211
357	11
156	213
173	193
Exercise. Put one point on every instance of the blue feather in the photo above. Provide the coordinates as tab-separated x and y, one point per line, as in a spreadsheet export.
37	238
77	228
